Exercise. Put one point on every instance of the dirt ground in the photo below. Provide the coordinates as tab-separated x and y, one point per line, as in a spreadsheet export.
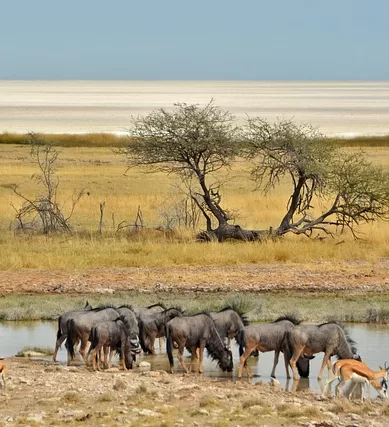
40	392
357	276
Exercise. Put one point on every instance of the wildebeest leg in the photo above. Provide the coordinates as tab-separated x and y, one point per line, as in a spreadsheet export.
275	363
286	366
293	360
95	362
122	359
152	343
160	341
326	359
58	344
180	357
83	351
243	361
329	368
201	356
108	358
75	344
194	359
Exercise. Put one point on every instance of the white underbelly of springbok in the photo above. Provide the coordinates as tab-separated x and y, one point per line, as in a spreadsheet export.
358	379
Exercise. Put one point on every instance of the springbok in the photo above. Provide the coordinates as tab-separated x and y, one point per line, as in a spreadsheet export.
3	368
359	373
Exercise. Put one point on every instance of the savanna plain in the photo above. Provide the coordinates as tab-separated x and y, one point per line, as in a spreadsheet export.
106	259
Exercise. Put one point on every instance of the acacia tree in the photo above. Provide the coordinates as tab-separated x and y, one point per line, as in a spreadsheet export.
195	143
349	189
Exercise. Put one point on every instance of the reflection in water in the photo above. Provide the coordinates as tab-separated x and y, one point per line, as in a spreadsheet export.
372	344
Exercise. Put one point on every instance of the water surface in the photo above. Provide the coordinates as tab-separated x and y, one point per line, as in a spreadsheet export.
372	343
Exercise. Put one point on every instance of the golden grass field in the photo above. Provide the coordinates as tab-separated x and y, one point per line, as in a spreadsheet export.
102	173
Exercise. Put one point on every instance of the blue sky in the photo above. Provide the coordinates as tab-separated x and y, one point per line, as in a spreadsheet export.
195	40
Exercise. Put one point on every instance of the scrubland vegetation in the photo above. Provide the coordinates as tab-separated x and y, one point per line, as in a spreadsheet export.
164	238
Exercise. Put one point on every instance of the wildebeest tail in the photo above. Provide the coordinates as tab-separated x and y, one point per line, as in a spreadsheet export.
169	347
240	340
59	332
142	333
70	338
286	346
93	340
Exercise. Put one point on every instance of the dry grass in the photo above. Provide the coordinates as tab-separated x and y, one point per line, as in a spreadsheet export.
102	173
69	140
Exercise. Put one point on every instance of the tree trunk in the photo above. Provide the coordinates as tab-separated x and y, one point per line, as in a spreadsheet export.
226	231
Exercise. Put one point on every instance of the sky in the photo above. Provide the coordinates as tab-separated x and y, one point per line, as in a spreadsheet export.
194	40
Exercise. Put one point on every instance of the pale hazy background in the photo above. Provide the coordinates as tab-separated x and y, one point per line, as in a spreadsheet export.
336	108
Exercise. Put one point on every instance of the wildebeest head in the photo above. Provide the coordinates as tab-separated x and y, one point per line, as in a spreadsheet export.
226	361
135	344
303	365
132	348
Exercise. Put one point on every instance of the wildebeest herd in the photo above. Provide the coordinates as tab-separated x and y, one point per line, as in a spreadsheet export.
127	330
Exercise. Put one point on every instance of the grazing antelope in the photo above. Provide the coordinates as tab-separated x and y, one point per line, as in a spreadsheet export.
359	373
3	369
339	363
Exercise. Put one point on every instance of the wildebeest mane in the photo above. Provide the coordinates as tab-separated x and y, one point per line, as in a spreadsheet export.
178	308
234	307
207	313
291	317
158	304
126	306
102	307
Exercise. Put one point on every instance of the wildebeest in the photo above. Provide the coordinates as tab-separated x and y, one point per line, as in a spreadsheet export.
110	336
195	333
153	325
268	337
129	313
62	326
79	328
229	322
330	338
144	311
